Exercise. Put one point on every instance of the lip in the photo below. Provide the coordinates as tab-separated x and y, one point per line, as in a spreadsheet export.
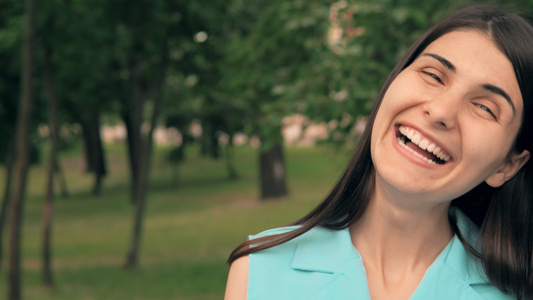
417	159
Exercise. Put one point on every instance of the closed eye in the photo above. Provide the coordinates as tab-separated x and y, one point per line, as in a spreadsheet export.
485	108
432	75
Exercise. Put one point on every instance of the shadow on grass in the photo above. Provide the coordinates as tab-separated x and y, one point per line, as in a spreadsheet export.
122	190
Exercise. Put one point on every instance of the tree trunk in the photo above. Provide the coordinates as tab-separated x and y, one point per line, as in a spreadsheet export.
22	154
132	150
88	146
48	279
230	164
98	158
209	141
52	165
93	150
139	177
141	183
134	130
272	173
7	197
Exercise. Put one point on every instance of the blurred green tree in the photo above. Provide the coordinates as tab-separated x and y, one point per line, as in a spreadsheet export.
141	52
77	38
11	20
196	80
22	146
270	46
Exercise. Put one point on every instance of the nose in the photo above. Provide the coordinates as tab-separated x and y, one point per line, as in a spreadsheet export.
441	112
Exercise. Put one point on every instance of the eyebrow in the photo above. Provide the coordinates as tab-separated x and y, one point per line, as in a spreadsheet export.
488	87
442	60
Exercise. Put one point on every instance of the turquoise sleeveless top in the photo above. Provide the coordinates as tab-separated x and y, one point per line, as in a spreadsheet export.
324	264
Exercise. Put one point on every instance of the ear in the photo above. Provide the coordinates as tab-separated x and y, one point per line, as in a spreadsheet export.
514	162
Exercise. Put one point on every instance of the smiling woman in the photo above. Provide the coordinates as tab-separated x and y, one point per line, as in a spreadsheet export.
442	99
437	201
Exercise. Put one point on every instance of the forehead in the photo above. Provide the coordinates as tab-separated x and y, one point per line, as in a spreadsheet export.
470	49
478	60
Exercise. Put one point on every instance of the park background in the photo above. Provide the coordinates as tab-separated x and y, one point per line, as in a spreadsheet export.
143	140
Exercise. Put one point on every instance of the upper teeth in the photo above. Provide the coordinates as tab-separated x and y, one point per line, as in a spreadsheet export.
423	143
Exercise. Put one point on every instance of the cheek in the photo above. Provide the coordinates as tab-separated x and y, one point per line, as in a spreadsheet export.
403	93
487	150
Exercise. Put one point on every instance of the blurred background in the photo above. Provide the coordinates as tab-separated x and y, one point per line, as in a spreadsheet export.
143	140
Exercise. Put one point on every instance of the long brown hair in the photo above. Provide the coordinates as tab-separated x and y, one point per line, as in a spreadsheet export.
505	214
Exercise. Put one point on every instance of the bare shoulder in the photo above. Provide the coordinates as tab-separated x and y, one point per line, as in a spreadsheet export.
237	284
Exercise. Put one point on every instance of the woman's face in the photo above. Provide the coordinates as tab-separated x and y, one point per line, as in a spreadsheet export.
448	121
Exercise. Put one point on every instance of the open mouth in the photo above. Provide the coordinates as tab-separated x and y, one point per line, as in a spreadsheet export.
421	146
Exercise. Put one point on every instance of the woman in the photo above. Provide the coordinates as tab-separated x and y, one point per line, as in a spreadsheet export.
446	150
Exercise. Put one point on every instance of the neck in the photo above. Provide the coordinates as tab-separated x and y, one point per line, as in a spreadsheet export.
400	234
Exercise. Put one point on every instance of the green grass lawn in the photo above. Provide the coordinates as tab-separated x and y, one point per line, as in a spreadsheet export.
191	224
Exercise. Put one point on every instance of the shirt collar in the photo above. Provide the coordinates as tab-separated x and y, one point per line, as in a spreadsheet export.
324	250
330	251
